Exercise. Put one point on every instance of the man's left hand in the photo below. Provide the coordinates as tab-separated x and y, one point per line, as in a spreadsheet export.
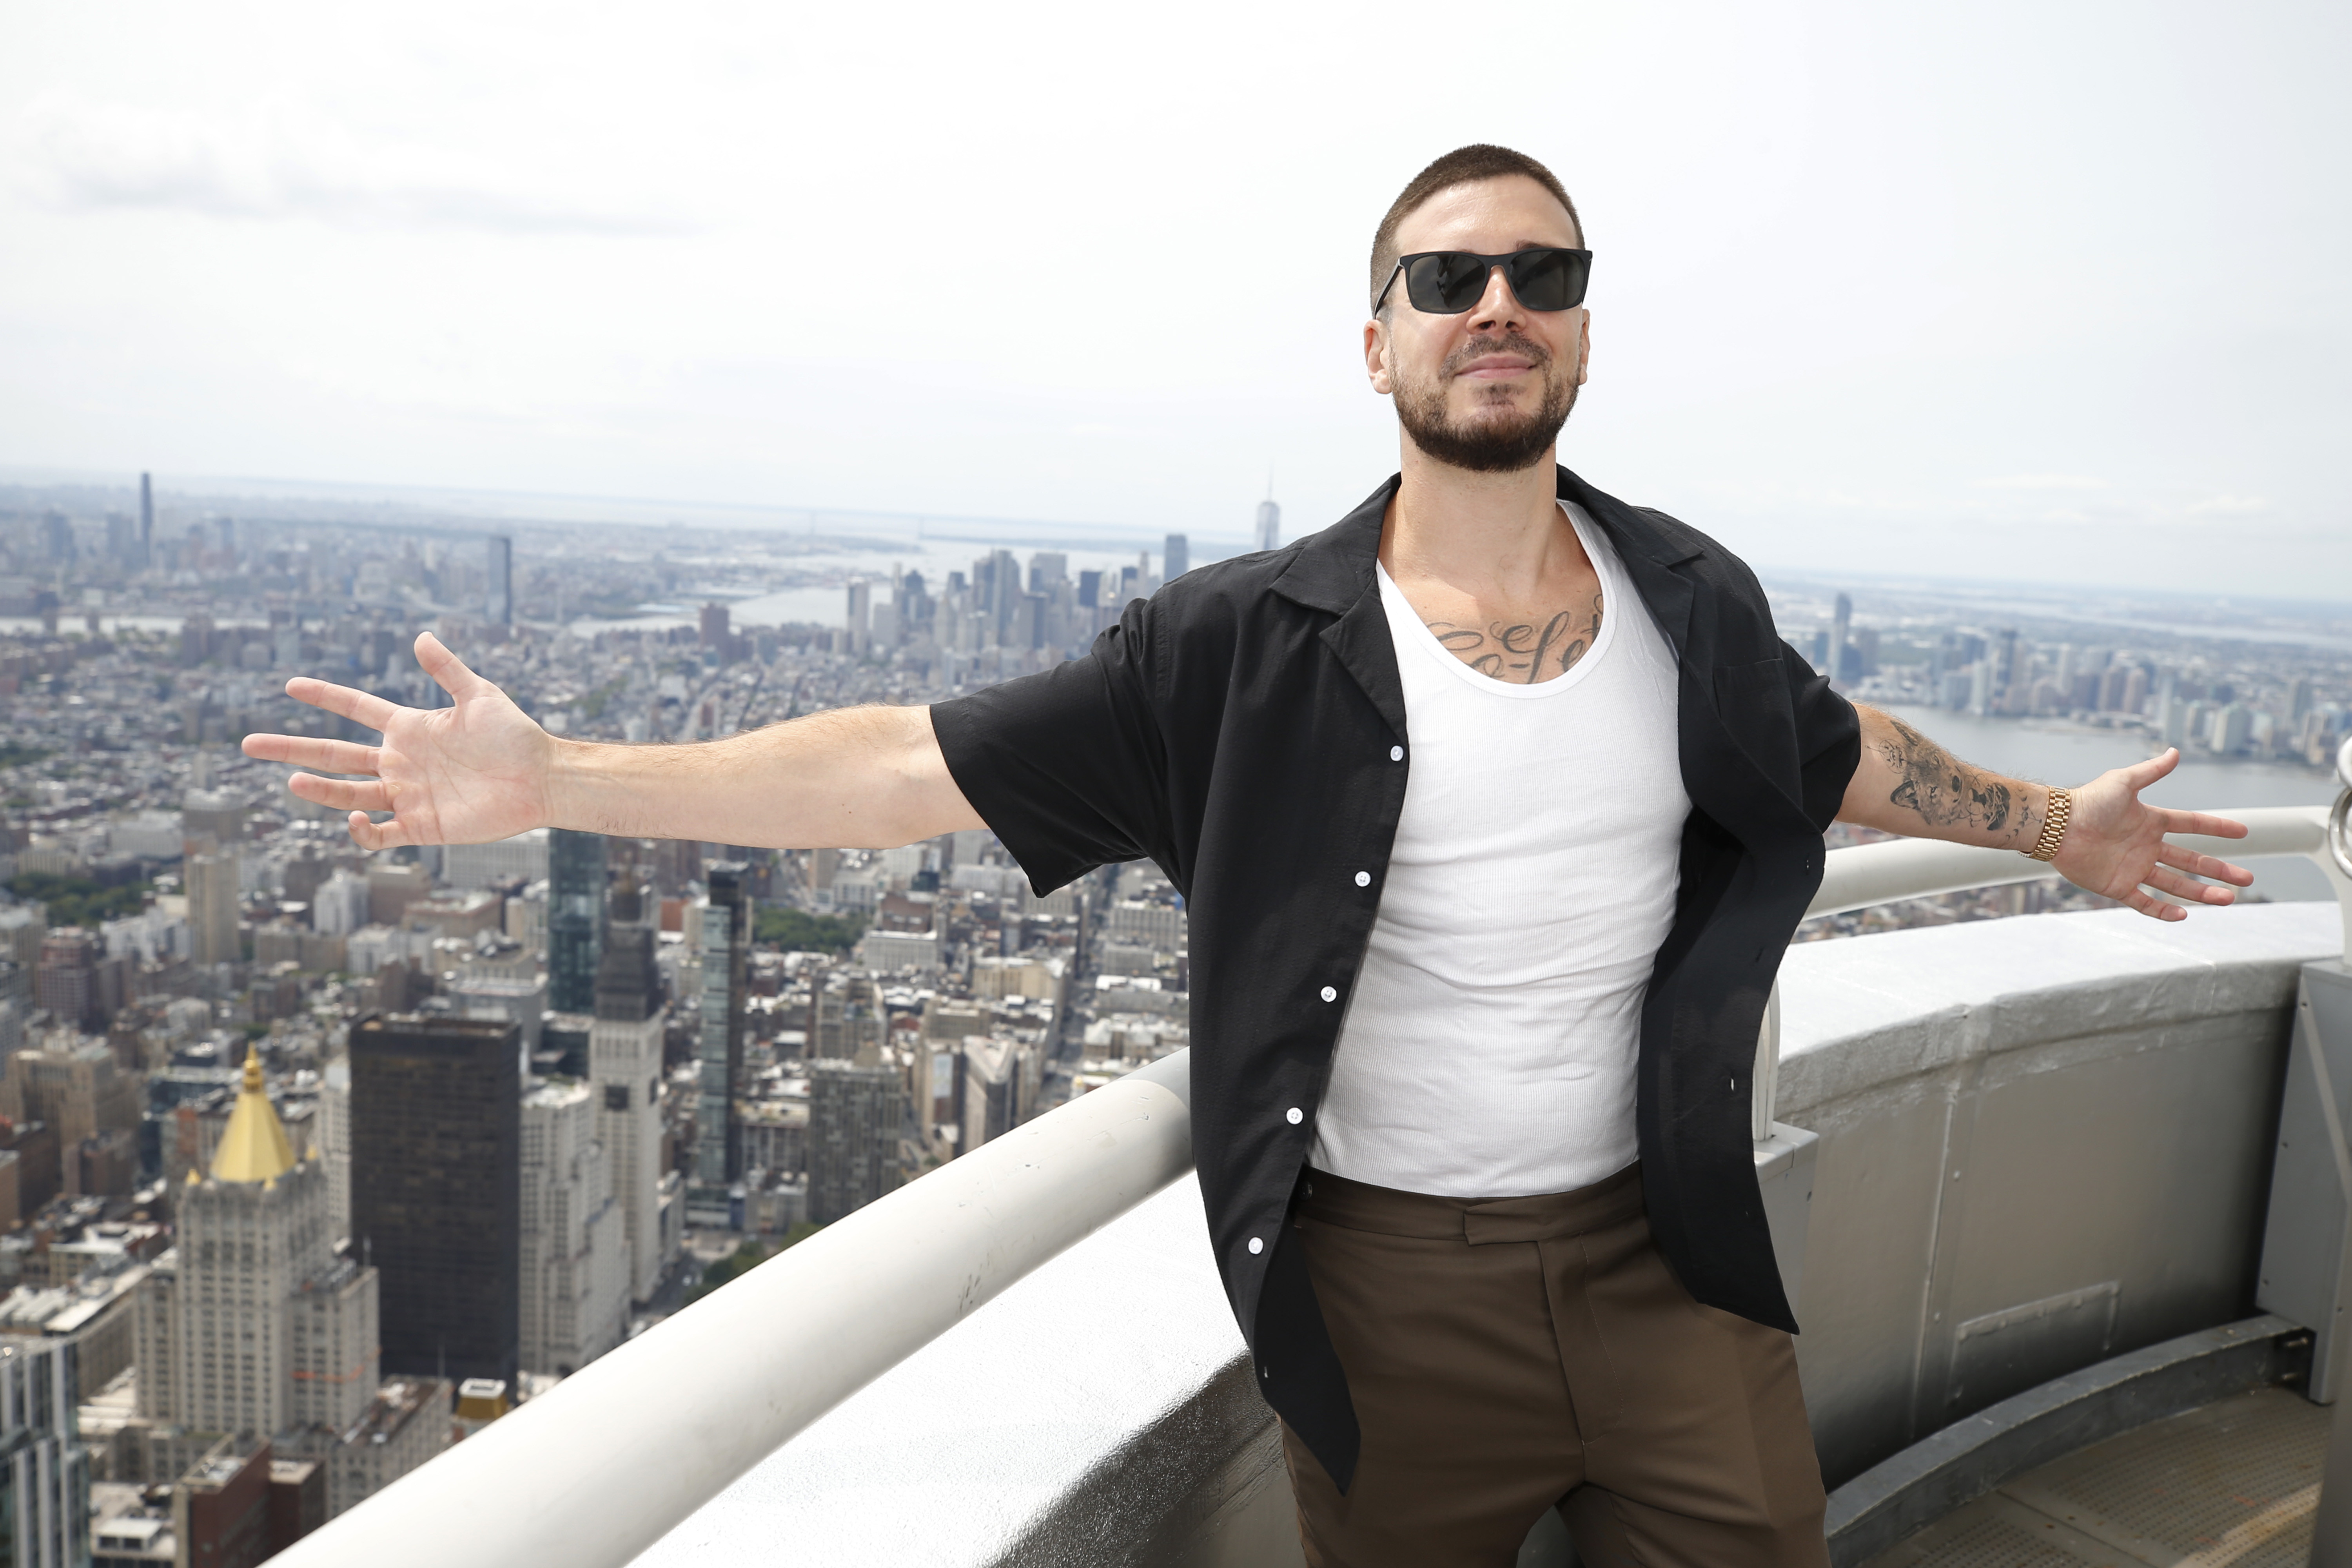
2115	846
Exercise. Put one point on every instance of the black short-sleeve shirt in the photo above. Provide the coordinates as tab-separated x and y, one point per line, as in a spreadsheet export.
1246	729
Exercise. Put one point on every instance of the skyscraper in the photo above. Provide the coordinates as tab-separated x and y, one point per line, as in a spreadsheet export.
435	1187
146	521
212	908
253	1324
624	1060
715	633
575	917
497	595
574	1273
1841	632
1269	525
77	1090
44	1469
65	981
123	541
335	1142
860	616
999	581
2008	668
1175	557
726	950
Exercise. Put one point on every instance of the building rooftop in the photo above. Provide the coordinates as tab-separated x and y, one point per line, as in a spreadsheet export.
254	1147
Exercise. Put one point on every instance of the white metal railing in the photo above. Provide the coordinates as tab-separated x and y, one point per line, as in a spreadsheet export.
1901	868
595	1470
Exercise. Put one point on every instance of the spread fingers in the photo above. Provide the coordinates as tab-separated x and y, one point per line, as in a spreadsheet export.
360	707
342	795
311	752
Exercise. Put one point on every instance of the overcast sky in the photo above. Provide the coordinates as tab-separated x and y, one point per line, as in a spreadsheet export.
2050	290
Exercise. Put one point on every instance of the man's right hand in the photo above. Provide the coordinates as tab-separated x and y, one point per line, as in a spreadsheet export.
857	778
467	774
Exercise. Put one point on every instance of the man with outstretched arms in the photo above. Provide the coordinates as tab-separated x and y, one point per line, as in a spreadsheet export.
1494	805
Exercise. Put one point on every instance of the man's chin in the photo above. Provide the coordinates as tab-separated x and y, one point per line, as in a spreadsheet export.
1488	446
1497	437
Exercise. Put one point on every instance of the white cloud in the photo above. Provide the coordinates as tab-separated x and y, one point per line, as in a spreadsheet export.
276	160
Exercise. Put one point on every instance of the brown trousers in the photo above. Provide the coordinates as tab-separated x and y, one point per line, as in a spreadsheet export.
1515	1354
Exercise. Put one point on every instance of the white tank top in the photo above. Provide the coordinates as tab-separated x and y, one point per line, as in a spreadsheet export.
1489	1046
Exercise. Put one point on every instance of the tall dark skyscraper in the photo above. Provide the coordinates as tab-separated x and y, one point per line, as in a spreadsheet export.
575	917
436	1170
725	952
146	521
624	1064
498	598
1175	557
628	978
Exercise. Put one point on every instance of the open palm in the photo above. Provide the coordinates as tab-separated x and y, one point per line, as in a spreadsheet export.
2115	845
464	775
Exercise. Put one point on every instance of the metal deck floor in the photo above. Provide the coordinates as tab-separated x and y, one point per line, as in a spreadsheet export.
2234	1485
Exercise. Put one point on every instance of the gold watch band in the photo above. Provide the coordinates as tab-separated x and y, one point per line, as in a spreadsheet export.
2053	826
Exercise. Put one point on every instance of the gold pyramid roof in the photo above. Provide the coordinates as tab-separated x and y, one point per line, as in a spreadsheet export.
253	1147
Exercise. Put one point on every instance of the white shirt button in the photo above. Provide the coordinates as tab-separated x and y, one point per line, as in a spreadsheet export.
1396	754
1363	879
1256	1247
1329	995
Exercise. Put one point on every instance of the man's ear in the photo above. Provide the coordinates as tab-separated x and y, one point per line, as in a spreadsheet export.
1376	356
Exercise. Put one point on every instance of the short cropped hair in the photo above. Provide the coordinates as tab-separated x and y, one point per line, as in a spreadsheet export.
1463	166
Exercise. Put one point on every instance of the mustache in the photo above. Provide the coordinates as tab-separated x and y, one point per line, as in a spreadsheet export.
1496	344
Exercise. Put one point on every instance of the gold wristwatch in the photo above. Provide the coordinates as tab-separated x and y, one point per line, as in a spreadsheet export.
2053	826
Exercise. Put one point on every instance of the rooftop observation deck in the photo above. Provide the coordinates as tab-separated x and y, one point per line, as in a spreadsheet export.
2019	1173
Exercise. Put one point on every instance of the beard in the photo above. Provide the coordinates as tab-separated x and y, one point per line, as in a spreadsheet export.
1500	442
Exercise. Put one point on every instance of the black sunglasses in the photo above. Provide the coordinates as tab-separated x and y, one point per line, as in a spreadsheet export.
1448	282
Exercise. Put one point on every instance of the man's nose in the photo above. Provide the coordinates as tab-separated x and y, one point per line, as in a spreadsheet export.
1498	308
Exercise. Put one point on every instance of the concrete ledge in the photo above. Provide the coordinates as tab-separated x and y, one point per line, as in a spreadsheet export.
1973	1456
1865	1011
1098	1412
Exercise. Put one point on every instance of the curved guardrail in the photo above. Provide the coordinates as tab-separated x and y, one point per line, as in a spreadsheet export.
596	1470
1889	872
600	1467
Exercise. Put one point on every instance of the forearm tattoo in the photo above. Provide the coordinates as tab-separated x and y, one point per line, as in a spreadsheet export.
1524	653
1947	792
